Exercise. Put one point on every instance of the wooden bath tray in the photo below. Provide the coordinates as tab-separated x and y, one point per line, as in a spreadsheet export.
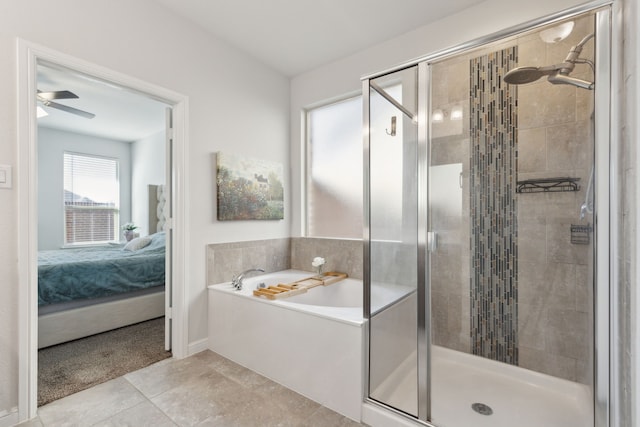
299	286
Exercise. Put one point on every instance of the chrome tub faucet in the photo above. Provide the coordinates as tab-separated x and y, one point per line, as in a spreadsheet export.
236	282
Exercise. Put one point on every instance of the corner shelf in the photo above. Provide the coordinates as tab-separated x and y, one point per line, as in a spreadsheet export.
548	185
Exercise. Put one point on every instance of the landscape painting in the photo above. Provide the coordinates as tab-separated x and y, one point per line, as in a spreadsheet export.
249	188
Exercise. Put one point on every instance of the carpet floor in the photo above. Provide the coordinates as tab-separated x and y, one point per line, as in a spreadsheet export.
67	368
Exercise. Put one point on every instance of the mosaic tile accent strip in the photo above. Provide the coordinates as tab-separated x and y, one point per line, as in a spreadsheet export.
494	238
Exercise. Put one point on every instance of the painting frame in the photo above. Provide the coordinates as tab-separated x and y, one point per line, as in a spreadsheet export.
248	188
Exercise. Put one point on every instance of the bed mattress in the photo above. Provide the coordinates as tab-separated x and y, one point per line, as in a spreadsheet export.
75	274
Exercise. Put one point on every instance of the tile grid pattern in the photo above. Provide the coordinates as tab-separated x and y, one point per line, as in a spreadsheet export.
205	389
494	241
225	260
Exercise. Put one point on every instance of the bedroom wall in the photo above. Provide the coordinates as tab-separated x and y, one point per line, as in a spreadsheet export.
52	144
148	157
236	104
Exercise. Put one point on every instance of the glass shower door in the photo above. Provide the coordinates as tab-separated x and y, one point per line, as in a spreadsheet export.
391	251
485	292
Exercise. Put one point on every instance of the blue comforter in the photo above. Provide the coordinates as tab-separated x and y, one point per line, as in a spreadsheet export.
71	274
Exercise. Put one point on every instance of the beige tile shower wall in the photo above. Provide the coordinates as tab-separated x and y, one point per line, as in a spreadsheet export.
554	278
225	260
340	255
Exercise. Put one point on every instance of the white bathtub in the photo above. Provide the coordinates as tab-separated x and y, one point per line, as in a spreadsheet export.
311	343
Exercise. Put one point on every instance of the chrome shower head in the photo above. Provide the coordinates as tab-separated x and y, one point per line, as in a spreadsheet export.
558	73
522	75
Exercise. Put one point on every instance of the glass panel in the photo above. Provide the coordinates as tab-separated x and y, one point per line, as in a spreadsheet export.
511	277
334	197
393	240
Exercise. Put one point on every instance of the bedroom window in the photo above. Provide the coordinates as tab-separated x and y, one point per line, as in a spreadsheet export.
91	199
334	170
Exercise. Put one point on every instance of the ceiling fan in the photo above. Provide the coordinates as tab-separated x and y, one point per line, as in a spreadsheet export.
46	98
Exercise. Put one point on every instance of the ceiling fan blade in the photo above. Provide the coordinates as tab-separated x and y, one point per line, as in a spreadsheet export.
68	109
59	94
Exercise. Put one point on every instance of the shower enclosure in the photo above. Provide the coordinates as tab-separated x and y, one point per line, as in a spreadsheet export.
486	192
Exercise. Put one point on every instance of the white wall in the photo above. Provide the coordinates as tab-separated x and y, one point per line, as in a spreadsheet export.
148	157
235	104
51	146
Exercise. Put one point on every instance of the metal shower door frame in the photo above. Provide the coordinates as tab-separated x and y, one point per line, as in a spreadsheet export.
606	211
423	327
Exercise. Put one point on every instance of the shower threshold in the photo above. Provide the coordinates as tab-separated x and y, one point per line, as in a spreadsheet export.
464	388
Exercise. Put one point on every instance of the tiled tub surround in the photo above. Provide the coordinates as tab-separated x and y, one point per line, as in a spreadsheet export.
554	286
225	260
311	343
342	255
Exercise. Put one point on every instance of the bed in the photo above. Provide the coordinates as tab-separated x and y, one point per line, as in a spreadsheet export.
85	291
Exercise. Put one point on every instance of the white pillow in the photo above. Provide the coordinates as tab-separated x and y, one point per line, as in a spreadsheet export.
137	243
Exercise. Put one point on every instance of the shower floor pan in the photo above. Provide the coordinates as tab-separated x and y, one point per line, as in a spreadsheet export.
515	396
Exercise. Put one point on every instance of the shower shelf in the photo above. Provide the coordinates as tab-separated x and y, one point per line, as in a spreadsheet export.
548	185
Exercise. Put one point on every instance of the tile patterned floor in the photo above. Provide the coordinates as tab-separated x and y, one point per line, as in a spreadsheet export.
202	390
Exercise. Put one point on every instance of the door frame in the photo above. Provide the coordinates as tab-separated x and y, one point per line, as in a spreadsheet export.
28	54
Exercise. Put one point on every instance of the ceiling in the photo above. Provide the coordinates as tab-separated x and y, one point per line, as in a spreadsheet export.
120	114
294	36
291	36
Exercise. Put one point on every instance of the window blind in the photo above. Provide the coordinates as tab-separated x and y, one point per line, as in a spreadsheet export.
91	198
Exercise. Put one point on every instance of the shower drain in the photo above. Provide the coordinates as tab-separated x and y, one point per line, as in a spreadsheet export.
482	409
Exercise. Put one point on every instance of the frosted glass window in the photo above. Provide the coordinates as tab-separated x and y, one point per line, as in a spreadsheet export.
91	199
334	186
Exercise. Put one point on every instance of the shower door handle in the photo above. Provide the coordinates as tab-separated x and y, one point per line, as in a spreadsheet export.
432	241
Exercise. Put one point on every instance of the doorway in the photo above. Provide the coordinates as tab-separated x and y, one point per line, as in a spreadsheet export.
102	168
30	57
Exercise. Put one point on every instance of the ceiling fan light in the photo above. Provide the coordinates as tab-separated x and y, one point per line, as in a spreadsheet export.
40	112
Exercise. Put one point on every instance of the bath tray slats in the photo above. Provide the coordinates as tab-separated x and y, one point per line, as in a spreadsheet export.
284	290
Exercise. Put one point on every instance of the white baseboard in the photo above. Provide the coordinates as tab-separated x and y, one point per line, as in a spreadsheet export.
197	346
9	418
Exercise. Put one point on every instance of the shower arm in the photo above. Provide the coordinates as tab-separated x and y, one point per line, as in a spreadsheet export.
573	57
562	68
586	39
